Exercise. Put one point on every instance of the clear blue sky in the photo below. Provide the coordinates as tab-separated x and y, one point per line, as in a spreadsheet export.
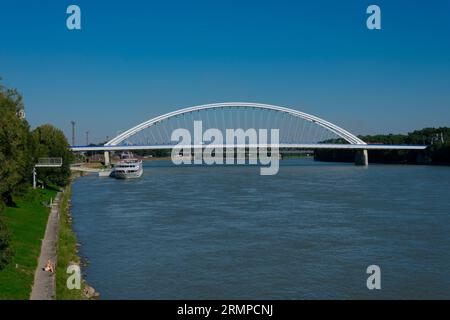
133	60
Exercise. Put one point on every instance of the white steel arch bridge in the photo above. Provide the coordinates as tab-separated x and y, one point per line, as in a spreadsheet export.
296	129
244	119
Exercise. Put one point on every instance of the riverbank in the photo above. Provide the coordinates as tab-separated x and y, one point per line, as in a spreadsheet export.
26	223
68	252
417	157
33	227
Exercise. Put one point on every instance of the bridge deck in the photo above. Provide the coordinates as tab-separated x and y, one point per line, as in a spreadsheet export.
280	146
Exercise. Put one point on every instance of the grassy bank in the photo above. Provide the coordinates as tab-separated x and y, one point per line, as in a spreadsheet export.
26	223
67	251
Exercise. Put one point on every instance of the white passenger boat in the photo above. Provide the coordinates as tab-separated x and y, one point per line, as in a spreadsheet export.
128	168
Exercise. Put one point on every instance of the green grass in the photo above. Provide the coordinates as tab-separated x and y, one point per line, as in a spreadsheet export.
67	252
26	223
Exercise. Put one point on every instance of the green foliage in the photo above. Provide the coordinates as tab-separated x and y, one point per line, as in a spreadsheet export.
14	160
428	136
20	149
437	139
49	141
5	249
15	155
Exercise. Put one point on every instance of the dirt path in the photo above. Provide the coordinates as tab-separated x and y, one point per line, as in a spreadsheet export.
44	285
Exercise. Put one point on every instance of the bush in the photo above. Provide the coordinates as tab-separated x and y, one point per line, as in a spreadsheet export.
5	250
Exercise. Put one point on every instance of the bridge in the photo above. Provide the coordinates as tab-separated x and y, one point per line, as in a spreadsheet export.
297	130
46	163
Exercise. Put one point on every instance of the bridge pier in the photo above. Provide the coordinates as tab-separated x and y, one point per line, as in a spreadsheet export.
361	157
107	161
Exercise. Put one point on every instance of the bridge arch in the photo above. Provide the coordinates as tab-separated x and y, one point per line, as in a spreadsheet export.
347	136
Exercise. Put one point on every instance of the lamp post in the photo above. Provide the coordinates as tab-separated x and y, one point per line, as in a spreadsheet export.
34	177
73	132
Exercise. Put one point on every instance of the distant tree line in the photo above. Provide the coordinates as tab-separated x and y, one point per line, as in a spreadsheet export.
20	149
437	152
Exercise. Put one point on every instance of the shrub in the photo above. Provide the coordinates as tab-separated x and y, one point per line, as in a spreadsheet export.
5	249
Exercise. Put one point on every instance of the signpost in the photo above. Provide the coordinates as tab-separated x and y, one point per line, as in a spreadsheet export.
46	163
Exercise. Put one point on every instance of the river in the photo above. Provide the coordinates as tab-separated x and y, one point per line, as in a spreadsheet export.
226	232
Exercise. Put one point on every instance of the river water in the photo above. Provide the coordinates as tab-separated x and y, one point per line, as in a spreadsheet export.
226	232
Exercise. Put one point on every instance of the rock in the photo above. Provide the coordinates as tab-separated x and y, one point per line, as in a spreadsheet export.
90	292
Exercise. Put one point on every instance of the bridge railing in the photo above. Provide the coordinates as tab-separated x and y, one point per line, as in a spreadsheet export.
49	163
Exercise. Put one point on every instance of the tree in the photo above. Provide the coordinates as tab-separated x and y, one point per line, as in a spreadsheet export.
14	159
47	142
15	156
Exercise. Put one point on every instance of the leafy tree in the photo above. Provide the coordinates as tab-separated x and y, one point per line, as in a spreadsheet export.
15	156
47	142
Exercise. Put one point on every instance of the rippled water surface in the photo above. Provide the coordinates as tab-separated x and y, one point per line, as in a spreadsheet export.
203	232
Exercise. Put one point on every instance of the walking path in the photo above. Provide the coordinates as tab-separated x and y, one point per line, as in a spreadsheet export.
44	285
